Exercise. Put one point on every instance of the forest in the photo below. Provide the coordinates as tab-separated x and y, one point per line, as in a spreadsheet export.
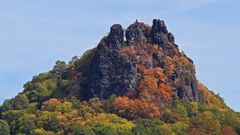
42	109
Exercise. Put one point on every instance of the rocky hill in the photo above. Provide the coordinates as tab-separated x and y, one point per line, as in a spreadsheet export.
118	66
136	81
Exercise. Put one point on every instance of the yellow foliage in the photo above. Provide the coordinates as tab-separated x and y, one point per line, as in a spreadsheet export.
212	100
41	131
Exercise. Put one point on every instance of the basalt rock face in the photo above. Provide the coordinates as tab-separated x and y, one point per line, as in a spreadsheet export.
110	74
137	34
117	64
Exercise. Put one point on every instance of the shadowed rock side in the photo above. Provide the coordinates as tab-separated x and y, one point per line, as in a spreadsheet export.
117	65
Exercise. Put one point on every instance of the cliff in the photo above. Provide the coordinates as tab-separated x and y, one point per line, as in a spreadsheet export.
118	65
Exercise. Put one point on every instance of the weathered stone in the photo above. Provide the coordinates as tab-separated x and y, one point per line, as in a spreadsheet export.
159	27
190	92
109	73
116	36
112	72
171	38
137	34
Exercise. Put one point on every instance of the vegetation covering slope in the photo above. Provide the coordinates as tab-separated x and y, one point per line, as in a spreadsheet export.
141	86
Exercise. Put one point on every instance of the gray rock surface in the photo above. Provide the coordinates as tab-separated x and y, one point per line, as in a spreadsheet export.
110	73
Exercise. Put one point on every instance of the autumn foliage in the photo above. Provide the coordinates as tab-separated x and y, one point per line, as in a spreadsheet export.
152	90
135	108
154	85
157	96
228	130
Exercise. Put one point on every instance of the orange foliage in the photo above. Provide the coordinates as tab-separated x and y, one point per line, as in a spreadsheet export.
169	66
158	73
184	63
154	84
228	130
142	47
154	48
127	52
196	131
166	91
180	60
62	119
148	83
135	108
203	89
51	104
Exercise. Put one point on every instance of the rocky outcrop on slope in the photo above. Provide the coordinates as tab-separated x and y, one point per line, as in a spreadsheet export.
116	62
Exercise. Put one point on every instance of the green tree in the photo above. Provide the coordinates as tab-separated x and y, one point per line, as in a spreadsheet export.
7	105
4	128
73	60
61	69
53	125
192	108
21	101
179	128
206	123
26	123
41	131
231	118
96	104
179	113
108	104
27	126
83	131
41	91
149	127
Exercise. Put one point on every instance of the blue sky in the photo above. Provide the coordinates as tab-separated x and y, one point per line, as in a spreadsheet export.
36	33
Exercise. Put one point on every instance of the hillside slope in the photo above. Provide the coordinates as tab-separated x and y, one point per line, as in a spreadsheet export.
136	82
